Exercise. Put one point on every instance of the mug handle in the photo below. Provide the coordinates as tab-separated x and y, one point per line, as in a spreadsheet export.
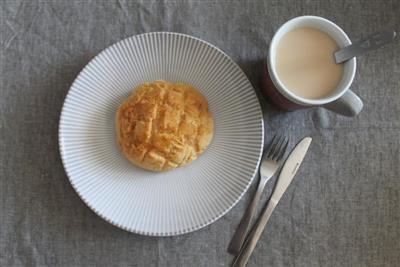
348	105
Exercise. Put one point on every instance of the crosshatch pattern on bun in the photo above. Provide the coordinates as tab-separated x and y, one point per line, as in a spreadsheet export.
163	125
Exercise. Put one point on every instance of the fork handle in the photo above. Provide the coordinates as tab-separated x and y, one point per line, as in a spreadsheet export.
240	234
254	235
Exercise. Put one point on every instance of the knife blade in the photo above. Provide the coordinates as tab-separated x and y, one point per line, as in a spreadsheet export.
289	170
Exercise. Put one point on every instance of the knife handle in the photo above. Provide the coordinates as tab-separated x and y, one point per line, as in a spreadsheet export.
256	232
254	235
286	176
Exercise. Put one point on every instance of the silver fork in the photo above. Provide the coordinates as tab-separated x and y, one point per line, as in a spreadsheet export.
269	165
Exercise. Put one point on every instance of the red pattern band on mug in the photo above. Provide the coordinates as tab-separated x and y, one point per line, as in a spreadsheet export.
273	95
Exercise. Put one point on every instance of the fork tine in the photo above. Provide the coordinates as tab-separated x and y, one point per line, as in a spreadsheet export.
273	145
278	147
283	149
267	149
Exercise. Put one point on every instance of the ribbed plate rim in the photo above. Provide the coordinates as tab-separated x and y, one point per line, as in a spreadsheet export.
130	229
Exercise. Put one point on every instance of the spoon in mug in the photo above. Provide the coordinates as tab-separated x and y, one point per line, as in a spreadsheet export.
372	42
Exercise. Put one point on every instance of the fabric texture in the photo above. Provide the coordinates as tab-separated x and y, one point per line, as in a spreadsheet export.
342	209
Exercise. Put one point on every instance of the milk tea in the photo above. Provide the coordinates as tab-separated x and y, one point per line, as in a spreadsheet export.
305	63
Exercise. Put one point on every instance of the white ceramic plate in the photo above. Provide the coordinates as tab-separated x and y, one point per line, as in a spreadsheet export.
177	201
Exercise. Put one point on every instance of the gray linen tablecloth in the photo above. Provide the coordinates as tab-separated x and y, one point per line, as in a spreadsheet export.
343	208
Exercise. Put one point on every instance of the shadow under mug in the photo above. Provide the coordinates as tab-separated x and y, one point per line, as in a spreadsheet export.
342	100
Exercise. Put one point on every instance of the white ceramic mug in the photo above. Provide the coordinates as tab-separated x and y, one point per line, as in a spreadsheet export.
342	100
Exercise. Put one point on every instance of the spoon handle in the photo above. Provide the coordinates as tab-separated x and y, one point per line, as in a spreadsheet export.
372	42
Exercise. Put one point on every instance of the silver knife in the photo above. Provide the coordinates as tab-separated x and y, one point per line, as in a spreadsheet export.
286	175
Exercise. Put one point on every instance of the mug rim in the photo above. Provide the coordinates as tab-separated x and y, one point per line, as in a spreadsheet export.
289	94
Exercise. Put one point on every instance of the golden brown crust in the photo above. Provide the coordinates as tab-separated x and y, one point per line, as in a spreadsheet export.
163	125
